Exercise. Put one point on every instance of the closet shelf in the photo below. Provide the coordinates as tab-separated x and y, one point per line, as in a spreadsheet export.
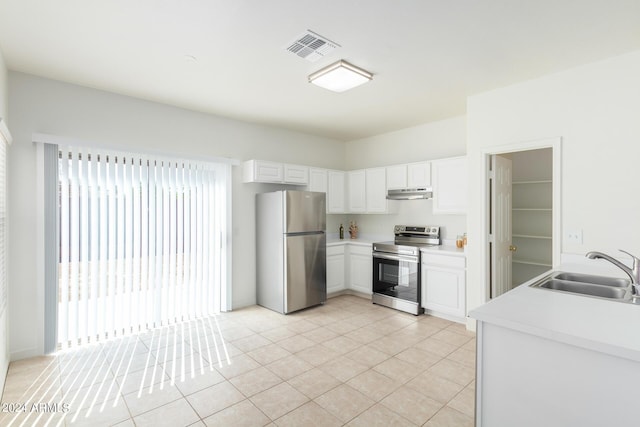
541	264
532	219
527	236
545	181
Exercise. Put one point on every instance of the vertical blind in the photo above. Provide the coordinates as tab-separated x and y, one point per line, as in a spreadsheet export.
142	242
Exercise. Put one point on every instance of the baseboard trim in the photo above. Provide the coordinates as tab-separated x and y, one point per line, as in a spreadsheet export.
349	292
446	316
24	354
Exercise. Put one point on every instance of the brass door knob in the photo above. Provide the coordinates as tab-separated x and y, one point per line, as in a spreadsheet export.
513	248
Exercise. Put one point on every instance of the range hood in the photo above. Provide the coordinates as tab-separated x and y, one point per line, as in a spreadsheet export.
410	193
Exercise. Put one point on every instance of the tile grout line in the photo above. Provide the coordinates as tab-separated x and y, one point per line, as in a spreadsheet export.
329	320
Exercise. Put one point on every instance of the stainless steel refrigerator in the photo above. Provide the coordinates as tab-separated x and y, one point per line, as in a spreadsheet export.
291	250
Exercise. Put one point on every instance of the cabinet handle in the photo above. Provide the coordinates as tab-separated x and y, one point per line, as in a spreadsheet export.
513	248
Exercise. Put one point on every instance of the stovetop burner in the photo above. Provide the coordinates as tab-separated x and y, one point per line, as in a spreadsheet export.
409	239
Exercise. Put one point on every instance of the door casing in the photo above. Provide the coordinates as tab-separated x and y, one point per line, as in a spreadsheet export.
555	144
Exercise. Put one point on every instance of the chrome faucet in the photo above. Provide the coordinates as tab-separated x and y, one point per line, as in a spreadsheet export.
633	272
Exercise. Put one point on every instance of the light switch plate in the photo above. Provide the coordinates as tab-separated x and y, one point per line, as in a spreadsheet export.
574	237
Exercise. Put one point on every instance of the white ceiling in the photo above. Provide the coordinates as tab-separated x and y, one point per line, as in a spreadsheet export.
427	55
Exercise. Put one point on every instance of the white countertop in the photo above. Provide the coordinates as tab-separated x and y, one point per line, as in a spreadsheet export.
444	249
597	324
368	239
363	240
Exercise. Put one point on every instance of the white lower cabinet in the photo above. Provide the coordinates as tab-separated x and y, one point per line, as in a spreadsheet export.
360	268
444	285
551	379
349	268
335	269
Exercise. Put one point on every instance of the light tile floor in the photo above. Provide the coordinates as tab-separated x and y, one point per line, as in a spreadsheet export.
348	362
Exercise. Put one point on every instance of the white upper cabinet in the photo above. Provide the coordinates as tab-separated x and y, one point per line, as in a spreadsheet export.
335	192
356	190
317	180
296	174
419	175
450	185
273	172
412	175
262	171
396	177
365	190
376	192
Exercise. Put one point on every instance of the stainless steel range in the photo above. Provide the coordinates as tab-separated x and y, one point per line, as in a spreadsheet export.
396	267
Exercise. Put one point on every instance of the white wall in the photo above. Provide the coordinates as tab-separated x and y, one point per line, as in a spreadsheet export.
4	326
4	96
595	109
435	140
46	106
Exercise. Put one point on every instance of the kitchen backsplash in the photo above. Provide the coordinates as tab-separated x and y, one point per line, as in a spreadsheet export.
407	212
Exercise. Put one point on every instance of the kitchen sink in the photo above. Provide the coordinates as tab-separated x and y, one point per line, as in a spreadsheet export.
585	288
596	280
611	288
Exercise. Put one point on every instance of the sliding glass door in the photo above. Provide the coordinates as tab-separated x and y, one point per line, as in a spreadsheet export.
142	242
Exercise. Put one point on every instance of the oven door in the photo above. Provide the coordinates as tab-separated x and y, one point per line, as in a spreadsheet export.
396	276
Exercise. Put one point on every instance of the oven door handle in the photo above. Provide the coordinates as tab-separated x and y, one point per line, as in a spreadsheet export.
395	257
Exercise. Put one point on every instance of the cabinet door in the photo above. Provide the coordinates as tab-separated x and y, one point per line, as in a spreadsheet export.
335	192
295	174
360	269
356	184
317	180
262	171
376	190
443	290
419	175
450	186
335	269
396	177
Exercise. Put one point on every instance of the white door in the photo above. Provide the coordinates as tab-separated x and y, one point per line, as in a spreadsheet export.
501	253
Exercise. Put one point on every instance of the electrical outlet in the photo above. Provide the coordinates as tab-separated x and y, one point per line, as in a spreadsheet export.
574	236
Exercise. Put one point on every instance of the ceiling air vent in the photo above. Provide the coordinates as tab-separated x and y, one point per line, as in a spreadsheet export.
311	46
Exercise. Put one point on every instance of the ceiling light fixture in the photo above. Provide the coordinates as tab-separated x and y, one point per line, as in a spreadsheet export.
340	76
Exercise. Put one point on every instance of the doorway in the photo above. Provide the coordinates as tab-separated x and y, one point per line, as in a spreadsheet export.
523	212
